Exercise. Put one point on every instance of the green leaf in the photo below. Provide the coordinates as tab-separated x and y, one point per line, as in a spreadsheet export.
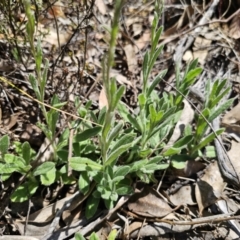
44	168
91	206
15	162
220	109
117	179
24	191
154	57
210	152
134	122
79	236
26	152
219	97
38	56
49	177
188	130
169	121
94	236
145	153
156	38
156	81
179	161
83	164
202	124
141	100
212	94
121	171
112	235
220	87
63	154
4	144
123	111
207	140
109	203
156	159
123	189
172	151
154	26
44	78
124	139
192	74
114	132
145	69
84	182
8	168
137	165
34	85
87	134
117	96
183	142
193	64
115	154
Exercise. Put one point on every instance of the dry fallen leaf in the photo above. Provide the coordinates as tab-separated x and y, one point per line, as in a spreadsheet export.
231	122
232	117
234	28
183	20
102	101
191	167
131	57
120	78
101	6
184	196
210	188
149	203
143	41
234	157
200	49
56	10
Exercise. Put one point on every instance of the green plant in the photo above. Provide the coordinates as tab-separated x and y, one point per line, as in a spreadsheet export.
110	154
112	235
